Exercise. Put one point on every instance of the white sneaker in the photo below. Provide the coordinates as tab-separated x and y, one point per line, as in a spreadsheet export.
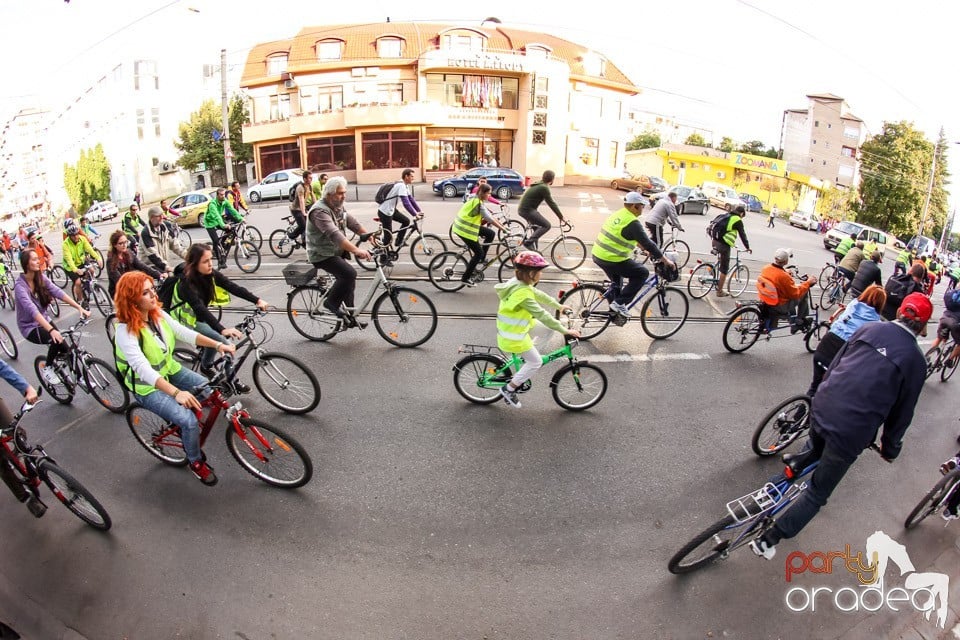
762	549
50	375
510	397
620	309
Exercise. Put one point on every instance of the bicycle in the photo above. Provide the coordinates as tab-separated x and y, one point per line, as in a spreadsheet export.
93	290
6	292
8	343
661	316
782	426
827	274
675	244
423	246
748	517
835	291
936	499
31	465
752	319
245	254
264	451
502	215
566	252
249	233
77	368
403	316
703	277
446	269
479	376
936	360
282	243
273	373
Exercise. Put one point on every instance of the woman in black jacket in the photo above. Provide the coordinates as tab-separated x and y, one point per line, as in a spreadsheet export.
120	260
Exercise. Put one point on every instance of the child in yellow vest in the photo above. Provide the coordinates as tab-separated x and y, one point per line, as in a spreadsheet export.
520	305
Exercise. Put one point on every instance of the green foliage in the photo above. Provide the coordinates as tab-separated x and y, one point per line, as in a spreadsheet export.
953	242
646	140
756	148
836	204
89	179
238	113
197	145
696	140
726	144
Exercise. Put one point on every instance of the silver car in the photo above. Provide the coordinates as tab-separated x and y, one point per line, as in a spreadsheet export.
279	184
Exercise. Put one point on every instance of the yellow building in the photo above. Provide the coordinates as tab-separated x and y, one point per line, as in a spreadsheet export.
367	100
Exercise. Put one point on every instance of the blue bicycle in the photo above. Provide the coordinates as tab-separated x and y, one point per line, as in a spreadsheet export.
661	316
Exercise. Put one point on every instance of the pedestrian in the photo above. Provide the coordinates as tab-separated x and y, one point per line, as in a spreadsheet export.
137	198
773	215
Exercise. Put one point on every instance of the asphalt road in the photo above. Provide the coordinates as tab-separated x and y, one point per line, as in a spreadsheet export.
429	517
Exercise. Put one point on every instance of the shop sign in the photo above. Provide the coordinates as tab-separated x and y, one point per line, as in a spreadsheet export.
489	61
759	163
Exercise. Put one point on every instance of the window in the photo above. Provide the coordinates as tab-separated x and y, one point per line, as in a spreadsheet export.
145	75
851	132
816	123
829	126
540	102
535	52
595	65
280	107
140	122
463	41
155	120
614	148
391	150
276	65
329	50
848	152
390	47
275	157
329	98
612	109
824	163
540	120
390	93
814	142
457	90
539	137
331	154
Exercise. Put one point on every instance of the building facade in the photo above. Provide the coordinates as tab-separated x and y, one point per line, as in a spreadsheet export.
23	163
824	140
365	101
672	130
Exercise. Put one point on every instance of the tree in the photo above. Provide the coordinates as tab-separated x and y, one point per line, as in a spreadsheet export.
836	204
200	140
696	140
238	114
726	144
753	147
646	140
89	179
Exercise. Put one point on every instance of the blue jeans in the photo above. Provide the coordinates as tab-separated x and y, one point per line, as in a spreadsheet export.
208	355
167	408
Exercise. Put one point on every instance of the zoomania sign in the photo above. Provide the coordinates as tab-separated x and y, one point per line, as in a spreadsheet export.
924	592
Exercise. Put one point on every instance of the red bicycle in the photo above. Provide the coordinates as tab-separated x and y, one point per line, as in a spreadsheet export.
30	465
265	452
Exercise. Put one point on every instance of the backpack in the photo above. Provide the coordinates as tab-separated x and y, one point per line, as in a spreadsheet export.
718	226
383	192
951	300
898	288
165	290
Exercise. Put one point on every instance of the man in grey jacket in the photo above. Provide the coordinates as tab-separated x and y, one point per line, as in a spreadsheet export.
665	210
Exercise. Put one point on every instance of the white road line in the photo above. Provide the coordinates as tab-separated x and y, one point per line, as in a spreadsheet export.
643	357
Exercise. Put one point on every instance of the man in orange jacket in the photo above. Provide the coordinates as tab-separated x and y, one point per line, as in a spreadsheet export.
778	290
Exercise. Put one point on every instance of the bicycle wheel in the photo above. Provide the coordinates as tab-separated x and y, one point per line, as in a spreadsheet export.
424	248
934	500
190	358
308	315
682	249
58	276
945	372
826	275
815	335
280	244
105	386
738	280
247	256
286	383
933	359
454	238
4	296
8	343
74	495
160	438
184	237
446	270
578	386
514	228
742	329
102	299
664	313
98	266
54	308
59	389
468	377
568	253
702	281
404	317
110	325
590	310
707	546
830	296
782	426
269	454
252	235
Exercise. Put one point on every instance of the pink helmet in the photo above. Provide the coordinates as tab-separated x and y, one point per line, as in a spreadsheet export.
530	259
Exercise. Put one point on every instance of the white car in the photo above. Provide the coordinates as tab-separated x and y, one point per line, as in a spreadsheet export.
808	221
100	211
279	184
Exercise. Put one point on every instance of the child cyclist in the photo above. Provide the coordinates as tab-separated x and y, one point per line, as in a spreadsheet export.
520	305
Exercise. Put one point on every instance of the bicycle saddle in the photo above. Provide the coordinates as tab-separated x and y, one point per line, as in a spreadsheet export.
797	462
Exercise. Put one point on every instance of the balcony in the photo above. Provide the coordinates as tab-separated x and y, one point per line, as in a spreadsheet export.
269	130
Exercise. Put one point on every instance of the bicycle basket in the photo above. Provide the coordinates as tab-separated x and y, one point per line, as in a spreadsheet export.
299	273
667	273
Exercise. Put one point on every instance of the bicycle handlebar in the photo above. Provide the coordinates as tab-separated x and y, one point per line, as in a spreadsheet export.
565	225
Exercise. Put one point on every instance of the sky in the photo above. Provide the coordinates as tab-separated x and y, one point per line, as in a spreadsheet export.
732	66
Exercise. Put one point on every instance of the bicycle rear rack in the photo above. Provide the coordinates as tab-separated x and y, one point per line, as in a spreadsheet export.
478	348
753	504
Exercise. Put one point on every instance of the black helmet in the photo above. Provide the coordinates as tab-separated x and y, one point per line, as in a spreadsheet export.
740	209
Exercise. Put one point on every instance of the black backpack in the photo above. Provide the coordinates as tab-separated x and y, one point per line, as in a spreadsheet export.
383	192
898	288
718	226
165	290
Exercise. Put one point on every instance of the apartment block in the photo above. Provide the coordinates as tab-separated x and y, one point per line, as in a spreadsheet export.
23	163
823	140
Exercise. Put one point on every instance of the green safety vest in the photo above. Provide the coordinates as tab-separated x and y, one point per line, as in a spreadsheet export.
730	237
160	358
904	257
183	313
467	223
514	322
869	248
845	245
610	245
955	274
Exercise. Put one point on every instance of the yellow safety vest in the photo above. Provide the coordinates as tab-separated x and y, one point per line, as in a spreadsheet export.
160	358
730	237
514	322
467	223
845	245
610	245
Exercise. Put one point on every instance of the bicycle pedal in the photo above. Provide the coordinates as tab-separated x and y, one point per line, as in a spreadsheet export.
36	507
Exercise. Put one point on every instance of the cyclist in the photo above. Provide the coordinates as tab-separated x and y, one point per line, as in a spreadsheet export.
169	212
727	242
481	181
131	223
317	186
953	273
779	292
469	226
389	209
219	210
874	380
35	242
949	326
76	250
665	210
864	309
850	263
327	246
845	245
7	246
613	251
120	260
904	260
87	229
33	292
159	240
236	198
899	287
520	305
527	209
18	382
300	203
867	273
146	336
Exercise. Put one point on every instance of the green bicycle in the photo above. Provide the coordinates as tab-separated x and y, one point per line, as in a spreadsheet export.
478	376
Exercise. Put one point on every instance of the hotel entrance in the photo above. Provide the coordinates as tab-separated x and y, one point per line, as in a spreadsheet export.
462	149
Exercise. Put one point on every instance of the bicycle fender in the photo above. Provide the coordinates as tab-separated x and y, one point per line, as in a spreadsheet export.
562	370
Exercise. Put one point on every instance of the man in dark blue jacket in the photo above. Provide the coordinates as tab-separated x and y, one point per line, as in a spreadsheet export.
874	380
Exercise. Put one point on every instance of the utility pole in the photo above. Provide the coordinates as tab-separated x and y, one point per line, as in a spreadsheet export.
926	202
947	230
225	106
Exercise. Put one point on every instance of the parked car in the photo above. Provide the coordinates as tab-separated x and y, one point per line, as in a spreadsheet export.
862	232
897	243
689	199
751	202
100	211
721	196
191	205
638	182
506	183
279	184
808	221
659	184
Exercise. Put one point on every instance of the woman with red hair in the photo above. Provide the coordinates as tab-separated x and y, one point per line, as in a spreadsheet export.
145	339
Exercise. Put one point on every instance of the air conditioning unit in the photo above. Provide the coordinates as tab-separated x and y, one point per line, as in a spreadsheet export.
167	167
289	83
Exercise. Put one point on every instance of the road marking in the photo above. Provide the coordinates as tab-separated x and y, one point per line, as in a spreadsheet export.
644	357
